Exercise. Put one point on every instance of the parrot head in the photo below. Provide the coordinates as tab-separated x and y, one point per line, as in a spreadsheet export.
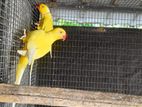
61	33
43	8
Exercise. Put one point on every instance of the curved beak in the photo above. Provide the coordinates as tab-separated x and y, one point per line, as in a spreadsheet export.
64	37
37	6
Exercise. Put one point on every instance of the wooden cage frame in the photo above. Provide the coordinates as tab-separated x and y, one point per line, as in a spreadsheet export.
65	97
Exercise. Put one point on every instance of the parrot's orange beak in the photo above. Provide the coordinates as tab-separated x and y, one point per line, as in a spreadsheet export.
64	37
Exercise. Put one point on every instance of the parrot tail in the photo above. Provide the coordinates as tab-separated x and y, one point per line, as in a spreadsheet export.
31	69
13	104
22	64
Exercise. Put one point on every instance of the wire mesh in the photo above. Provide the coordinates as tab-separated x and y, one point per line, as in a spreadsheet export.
93	58
13	19
12	24
90	60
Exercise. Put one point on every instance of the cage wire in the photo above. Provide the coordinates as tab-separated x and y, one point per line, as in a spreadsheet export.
103	51
14	17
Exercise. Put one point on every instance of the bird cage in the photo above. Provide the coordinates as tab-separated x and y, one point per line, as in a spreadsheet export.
102	55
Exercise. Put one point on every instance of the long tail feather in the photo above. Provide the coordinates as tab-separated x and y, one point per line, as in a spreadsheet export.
13	104
31	69
22	64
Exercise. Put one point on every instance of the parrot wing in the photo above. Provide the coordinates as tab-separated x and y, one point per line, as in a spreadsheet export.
46	23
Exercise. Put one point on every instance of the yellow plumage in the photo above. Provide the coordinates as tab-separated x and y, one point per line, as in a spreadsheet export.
46	20
38	44
46	24
41	38
22	64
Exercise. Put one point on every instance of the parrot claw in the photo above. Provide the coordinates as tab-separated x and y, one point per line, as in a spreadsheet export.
22	52
24	34
37	24
23	37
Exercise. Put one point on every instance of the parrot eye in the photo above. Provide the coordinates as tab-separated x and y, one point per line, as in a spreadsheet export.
61	32
42	6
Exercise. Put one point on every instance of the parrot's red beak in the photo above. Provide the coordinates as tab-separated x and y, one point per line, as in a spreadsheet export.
64	37
37	6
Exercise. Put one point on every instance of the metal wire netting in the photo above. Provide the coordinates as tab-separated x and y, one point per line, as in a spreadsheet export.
90	60
96	56
14	17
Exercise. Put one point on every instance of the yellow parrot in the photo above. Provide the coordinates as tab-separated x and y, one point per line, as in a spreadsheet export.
46	24
46	20
39	43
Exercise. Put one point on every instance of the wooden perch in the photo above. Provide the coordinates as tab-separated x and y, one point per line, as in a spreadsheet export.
65	97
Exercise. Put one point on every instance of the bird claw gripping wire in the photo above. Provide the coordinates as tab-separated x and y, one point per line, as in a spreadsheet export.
37	25
24	34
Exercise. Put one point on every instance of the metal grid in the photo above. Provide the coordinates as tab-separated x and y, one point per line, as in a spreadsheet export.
95	60
13	19
102	3
90	59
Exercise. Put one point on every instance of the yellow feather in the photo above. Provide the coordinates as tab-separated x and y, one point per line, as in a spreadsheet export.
42	42
36	37
46	20
21	66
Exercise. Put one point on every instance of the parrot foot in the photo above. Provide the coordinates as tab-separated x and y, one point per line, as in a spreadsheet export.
24	34
37	24
22	52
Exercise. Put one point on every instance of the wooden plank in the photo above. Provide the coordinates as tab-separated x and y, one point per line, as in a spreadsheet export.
65	97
